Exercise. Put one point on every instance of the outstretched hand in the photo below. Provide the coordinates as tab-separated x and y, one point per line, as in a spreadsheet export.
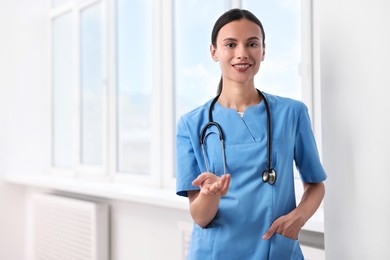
211	184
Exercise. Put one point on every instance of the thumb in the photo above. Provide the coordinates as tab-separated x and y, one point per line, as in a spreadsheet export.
199	180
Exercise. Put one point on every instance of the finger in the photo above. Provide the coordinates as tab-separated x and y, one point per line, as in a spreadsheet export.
267	235
205	191
224	180
220	187
271	231
199	180
209	192
214	188
226	184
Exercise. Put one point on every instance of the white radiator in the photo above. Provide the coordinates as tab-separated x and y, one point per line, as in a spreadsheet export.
69	229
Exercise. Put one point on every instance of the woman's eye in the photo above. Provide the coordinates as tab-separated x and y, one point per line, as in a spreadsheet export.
230	45
253	44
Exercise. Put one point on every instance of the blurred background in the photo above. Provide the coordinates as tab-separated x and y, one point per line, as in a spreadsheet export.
90	93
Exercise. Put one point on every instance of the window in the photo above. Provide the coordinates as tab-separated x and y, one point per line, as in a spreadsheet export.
62	92
58	2
91	86
134	86
195	75
78	90
282	24
125	70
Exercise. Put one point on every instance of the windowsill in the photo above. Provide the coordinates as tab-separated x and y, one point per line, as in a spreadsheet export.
125	192
104	189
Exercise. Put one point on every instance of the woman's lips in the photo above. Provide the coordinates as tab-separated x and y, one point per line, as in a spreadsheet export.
241	66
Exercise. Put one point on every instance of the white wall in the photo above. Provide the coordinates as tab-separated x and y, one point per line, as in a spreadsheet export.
140	231
23	104
24	86
12	222
355	81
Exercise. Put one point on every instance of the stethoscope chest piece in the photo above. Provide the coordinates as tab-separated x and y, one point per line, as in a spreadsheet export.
269	176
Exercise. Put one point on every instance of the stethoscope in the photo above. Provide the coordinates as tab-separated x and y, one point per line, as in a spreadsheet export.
269	175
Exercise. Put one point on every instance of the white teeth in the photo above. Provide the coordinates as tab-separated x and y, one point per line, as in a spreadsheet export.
240	66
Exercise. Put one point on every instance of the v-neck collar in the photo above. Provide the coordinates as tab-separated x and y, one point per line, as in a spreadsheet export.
251	120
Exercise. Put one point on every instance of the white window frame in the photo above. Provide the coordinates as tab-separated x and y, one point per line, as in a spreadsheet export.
311	91
168	96
158	154
309	68
81	170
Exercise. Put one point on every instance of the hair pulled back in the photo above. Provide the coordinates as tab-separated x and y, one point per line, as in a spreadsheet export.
230	16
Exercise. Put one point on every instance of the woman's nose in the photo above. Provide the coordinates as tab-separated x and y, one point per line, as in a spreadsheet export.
241	52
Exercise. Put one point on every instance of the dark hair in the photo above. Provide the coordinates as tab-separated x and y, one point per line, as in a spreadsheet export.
230	16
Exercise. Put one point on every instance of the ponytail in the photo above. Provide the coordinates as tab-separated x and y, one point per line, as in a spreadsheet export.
219	91
230	16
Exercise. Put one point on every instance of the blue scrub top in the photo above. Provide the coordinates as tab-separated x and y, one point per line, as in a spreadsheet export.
248	209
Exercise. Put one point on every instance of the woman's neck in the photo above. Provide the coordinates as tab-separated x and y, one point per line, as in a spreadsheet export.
239	96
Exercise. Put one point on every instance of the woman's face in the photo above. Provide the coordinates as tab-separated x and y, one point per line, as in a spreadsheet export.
239	51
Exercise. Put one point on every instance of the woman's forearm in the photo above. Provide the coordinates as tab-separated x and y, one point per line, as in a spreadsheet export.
203	207
204	203
311	200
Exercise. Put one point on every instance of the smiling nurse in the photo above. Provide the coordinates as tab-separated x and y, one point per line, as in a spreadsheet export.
247	213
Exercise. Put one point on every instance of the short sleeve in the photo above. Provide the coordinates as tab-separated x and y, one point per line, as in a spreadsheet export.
306	154
186	165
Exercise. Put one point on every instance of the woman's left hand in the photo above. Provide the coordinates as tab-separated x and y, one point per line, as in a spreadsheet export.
288	226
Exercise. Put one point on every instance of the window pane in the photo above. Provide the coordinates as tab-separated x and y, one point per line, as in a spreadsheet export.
55	3
196	75
91	86
134	92
279	73
63	87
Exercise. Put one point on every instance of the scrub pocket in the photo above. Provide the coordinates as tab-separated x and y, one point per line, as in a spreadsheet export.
283	248
201	243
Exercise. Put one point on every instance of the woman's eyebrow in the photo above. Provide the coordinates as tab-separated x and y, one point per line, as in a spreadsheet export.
230	39
253	38
249	39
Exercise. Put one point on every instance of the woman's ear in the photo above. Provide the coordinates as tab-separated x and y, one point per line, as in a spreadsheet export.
212	52
263	55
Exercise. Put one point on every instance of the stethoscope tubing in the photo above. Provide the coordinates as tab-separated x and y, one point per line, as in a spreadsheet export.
269	133
269	175
202	141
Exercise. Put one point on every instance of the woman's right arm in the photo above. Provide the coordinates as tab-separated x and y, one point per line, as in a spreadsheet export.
204	203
